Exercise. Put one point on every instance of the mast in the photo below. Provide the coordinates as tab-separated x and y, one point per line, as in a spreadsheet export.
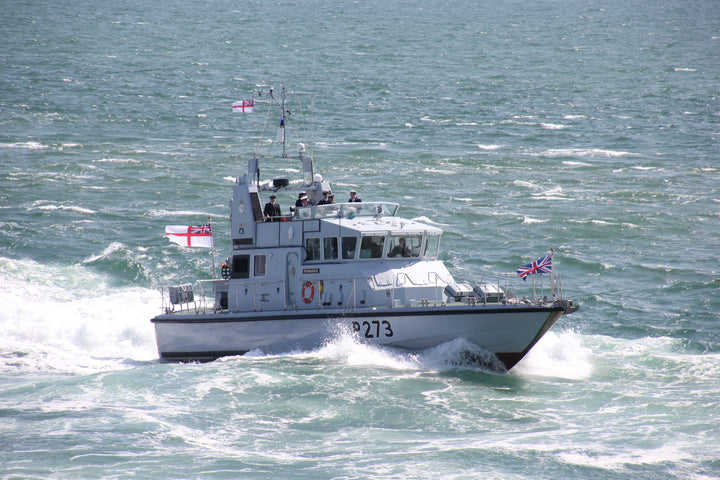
281	101
281	128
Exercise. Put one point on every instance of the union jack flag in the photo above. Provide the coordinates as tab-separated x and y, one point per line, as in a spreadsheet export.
544	265
200	230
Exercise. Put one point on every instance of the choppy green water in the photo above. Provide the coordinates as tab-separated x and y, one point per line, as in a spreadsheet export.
516	127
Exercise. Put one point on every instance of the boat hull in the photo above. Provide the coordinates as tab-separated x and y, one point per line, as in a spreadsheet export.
508	331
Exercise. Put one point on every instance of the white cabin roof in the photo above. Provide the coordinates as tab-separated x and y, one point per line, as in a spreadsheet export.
396	225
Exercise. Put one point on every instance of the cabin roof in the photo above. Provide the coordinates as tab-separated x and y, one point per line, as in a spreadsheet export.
396	225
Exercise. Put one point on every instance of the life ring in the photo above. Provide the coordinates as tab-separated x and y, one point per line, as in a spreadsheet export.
308	298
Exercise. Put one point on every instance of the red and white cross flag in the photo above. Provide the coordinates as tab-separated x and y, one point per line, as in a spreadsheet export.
243	106
192	236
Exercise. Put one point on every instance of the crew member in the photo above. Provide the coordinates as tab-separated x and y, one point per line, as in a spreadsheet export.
324	200
400	249
354	197
298	202
272	210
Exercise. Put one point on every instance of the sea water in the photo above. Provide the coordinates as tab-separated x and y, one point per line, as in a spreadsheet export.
589	127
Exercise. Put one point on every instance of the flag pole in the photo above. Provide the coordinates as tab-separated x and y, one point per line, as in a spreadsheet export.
553	285
534	297
212	246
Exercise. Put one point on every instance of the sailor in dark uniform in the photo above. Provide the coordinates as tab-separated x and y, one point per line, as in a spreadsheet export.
324	201
272	210
400	249
354	197
298	202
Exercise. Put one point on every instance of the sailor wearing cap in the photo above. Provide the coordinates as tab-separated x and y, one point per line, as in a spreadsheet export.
298	202
354	197
272	210
324	200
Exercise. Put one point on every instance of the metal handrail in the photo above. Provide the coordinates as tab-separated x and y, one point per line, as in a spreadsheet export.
503	280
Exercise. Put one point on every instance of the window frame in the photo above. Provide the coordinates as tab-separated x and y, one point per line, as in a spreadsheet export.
259	263
380	249
327	246
428	239
354	238
314	253
394	242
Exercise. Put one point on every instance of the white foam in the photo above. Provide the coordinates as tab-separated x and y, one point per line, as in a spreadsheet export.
348	349
180	213
557	354
553	126
69	208
523	183
68	318
112	248
620	460
27	145
576	164
424	219
288	170
516	122
118	160
529	220
440	171
432	120
345	348
584	152
554	193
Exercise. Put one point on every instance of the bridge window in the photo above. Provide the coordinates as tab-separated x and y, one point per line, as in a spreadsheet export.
330	245
371	246
431	246
312	248
349	244
404	246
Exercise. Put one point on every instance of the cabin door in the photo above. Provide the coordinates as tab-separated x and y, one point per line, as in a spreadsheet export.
292	278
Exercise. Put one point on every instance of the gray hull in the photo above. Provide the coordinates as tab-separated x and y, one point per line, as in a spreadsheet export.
508	331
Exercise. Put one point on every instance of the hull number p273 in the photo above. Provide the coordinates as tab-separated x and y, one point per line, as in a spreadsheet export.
373	328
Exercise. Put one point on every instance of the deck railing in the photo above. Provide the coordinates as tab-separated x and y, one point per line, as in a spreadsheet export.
501	288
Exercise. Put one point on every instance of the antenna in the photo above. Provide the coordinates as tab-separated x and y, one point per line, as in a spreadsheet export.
285	113
280	100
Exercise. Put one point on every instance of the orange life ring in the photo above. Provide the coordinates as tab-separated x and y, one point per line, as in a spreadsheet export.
308	298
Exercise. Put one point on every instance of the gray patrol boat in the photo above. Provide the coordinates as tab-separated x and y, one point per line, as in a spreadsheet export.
293	281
